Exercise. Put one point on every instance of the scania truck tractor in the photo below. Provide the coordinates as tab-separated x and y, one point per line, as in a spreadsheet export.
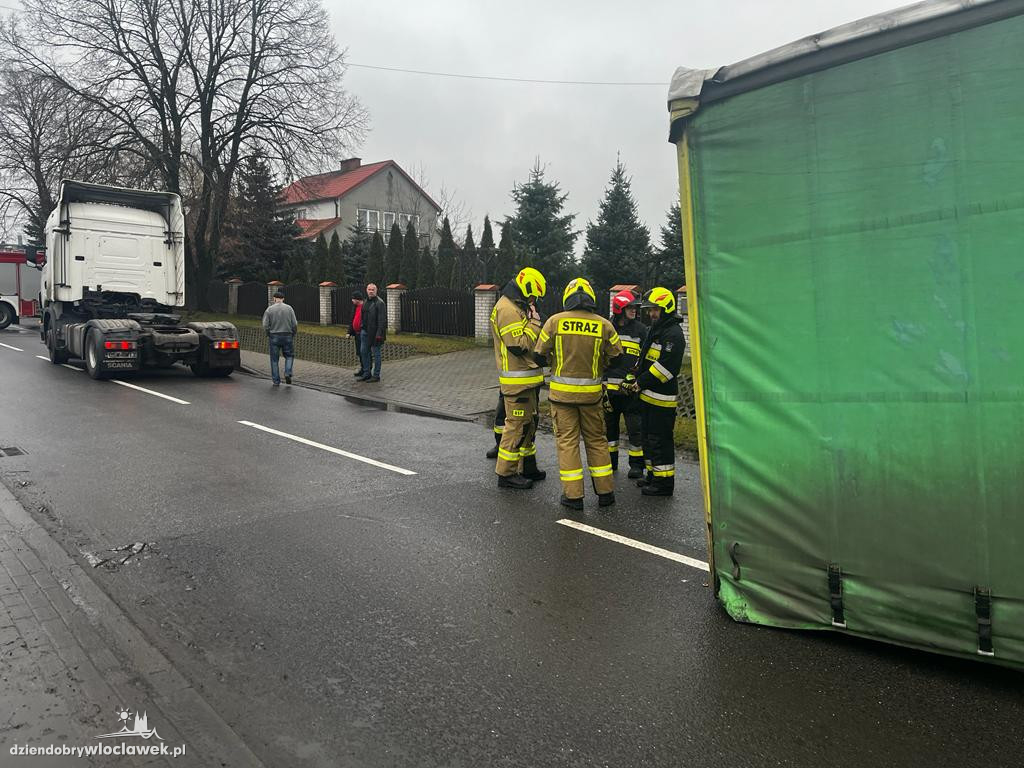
113	286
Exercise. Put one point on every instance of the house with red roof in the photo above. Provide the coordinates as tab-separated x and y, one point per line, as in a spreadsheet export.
377	195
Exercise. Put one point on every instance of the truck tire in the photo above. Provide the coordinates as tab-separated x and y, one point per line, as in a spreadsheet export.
7	315
57	356
205	371
93	356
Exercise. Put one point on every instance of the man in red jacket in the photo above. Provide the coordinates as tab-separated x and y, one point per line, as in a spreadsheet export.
355	329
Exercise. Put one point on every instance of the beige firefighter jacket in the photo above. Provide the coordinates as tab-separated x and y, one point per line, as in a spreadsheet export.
514	337
578	345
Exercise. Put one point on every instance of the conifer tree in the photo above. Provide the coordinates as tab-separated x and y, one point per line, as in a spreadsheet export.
335	262
319	263
410	257
542	234
505	260
393	260
426	273
447	255
618	245
487	253
355	252
375	262
667	267
467	266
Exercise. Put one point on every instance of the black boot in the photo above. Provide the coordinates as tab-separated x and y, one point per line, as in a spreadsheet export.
605	499
576	504
493	453
530	471
657	489
635	471
644	481
615	460
516	482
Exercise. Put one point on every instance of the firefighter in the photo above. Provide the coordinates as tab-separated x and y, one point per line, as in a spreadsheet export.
578	344
632	335
657	381
515	327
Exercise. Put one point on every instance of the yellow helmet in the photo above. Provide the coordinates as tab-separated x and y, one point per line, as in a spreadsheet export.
531	283
579	293
662	298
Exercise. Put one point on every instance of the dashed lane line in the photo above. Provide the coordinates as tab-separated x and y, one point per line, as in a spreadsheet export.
16	349
690	561
150	392
330	449
43	357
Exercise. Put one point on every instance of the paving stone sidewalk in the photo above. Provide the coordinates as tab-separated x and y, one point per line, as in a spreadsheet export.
70	660
462	383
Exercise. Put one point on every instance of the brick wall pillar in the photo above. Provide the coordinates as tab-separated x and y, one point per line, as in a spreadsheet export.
486	296
631	287
325	302
394	302
272	287
233	284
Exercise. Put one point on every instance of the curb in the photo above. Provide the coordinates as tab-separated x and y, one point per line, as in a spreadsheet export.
205	732
413	408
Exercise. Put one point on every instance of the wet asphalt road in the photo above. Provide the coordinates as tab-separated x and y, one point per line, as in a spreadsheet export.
338	613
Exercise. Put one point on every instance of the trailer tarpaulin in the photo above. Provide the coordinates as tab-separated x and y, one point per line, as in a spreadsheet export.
856	236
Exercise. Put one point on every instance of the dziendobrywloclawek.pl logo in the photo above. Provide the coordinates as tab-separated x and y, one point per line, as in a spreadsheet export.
135	737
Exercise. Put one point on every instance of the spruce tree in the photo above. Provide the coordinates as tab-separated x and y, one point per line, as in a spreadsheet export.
464	274
393	261
447	256
257	238
319	263
487	253
667	267
618	245
410	257
296	265
375	262
335	263
426	274
543	235
355	252
505	260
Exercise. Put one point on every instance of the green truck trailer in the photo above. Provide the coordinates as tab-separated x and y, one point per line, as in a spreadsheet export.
853	215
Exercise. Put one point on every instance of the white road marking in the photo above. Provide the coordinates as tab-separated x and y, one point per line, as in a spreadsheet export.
692	562
70	367
330	449
16	349
149	392
43	357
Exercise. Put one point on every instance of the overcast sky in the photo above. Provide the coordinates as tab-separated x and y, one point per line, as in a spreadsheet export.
478	137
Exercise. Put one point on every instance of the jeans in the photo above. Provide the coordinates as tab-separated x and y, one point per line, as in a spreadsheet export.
370	354
281	343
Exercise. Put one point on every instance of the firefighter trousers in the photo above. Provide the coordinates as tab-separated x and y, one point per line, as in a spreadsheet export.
499	419
518	433
570	423
657	423
626	407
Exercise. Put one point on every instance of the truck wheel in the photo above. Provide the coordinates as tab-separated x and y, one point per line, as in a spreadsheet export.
57	356
93	355
6	315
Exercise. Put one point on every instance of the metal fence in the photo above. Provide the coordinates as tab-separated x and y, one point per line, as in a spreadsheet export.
305	300
341	303
252	299
440	311
217	296
321	348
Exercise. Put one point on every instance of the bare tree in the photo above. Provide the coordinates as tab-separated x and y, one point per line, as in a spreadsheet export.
198	85
46	135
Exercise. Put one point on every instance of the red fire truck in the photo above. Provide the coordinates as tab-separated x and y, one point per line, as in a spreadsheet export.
19	282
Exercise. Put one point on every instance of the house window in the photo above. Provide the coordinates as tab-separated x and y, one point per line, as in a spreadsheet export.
405	218
370	220
300	213
389	220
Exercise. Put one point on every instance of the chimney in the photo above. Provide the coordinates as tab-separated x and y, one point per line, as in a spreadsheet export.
350	165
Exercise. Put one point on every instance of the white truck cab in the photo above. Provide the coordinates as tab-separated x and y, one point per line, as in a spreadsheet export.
113	280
